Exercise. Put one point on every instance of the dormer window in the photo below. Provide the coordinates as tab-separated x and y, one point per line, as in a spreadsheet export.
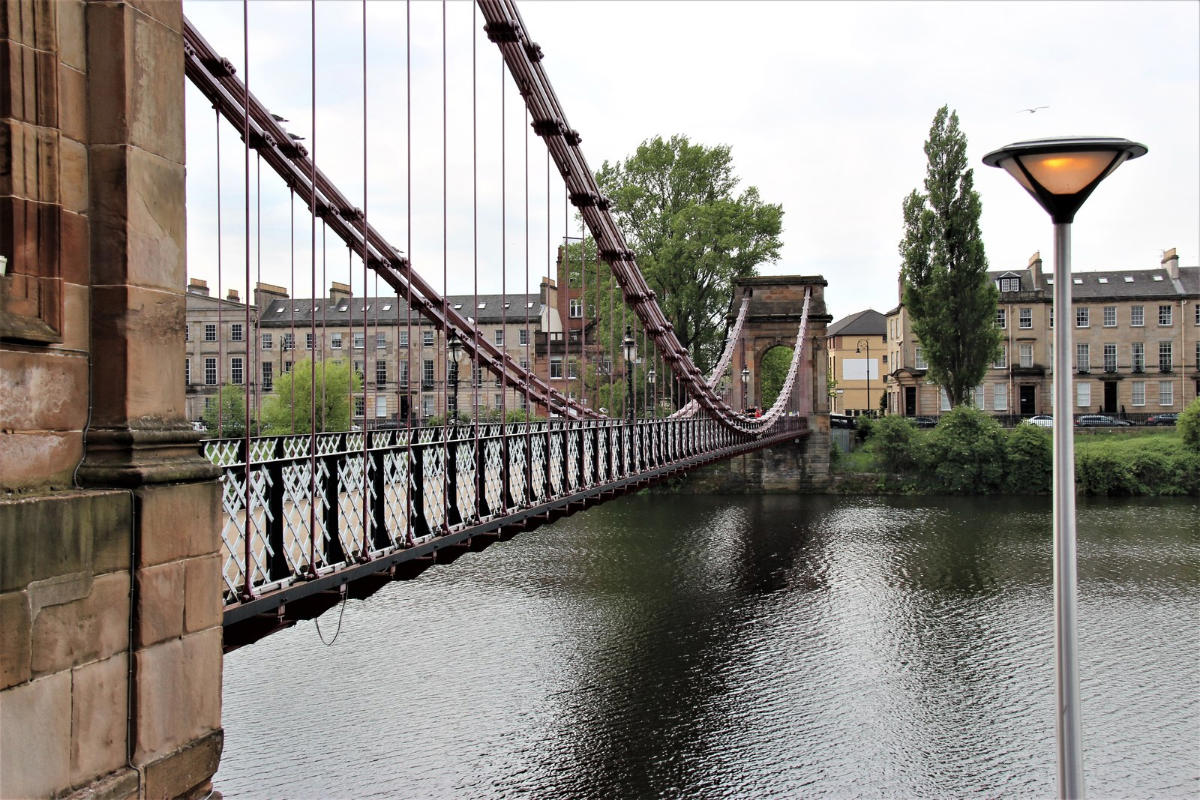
1010	284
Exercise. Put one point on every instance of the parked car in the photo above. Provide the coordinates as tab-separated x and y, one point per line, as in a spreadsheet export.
1100	421
1169	418
925	422
1042	421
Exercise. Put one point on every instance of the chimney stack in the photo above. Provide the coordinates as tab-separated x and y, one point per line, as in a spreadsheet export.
1170	261
198	286
232	296
1035	269
339	291
264	293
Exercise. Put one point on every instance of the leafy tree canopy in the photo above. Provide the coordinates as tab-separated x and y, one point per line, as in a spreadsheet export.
692	234
287	408
226	418
775	365
950	300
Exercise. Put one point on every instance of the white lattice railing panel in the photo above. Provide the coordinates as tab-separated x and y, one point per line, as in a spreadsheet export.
464	460
300	508
433	486
516	466
352	512
556	463
537	460
493	475
236	525
396	485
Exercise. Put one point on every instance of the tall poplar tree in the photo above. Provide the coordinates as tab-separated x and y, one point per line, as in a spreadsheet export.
950	300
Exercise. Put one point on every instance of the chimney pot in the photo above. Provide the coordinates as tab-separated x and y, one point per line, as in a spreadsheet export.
1170	260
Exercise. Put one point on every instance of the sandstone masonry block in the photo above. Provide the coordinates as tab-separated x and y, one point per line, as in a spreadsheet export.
42	391
72	38
179	693
161	594
187	772
35	739
98	711
178	521
204	605
38	458
16	637
95	627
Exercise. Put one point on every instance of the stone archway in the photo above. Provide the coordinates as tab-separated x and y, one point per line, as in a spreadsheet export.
776	308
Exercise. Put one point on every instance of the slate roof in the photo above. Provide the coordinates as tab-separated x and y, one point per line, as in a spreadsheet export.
387	311
1126	284
868	322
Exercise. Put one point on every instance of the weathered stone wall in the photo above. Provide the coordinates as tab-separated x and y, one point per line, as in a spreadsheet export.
110	598
784	469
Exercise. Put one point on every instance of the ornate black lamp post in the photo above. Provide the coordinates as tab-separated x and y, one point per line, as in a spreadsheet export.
1061	173
629	348
454	345
858	349
652	406
745	387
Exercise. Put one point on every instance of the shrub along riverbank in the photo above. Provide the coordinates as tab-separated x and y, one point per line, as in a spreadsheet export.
969	453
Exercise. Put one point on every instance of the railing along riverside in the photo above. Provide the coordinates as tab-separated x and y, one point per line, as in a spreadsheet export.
446	486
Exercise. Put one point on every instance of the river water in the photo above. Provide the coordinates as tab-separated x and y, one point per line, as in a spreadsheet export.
743	647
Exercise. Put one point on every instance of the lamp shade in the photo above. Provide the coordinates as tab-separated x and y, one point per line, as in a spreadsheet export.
629	345
454	344
650	376
1061	173
745	374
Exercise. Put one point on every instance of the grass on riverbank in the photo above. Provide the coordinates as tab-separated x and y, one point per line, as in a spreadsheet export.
973	455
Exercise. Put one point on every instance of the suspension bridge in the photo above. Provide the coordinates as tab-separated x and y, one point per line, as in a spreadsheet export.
310	518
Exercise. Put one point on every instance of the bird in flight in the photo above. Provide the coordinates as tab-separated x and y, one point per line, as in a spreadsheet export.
1033	110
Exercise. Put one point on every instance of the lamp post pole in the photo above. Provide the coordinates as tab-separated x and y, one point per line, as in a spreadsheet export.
745	388
858	349
652	406
630	351
453	345
1060	174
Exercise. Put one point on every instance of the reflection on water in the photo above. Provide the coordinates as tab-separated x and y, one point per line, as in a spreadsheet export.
743	647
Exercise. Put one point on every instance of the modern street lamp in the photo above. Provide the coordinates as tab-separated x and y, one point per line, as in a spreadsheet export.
454	345
745	387
1061	173
629	348
858	348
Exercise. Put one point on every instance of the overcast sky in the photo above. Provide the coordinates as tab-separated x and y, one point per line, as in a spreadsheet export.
826	107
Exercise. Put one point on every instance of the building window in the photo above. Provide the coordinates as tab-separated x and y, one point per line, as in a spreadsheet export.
1001	318
187	371
576	308
1110	358
268	377
381	372
980	397
999	397
308	341
235	370
335	341
289	342
500	337
1082	358
572	369
267	341
945	399
210	372
235	332
380	340
1110	316
1082	317
1137	316
1025	318
1166	393
426	406
1026	354
523	335
1164	315
210	332
1138	393
556	367
427	338
359	340
187	330
1001	360
1139	356
403	369
919	356
402	338
498	401
1010	284
1083	394
1164	357
287	367
427	372
1051	310
381	406
1196	311
1198	354
359	404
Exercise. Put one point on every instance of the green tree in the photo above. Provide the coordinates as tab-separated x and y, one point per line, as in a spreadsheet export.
773	373
227	418
950	300
1189	425
291	398
676	205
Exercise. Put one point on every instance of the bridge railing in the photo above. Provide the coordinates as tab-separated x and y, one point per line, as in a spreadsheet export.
308	514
